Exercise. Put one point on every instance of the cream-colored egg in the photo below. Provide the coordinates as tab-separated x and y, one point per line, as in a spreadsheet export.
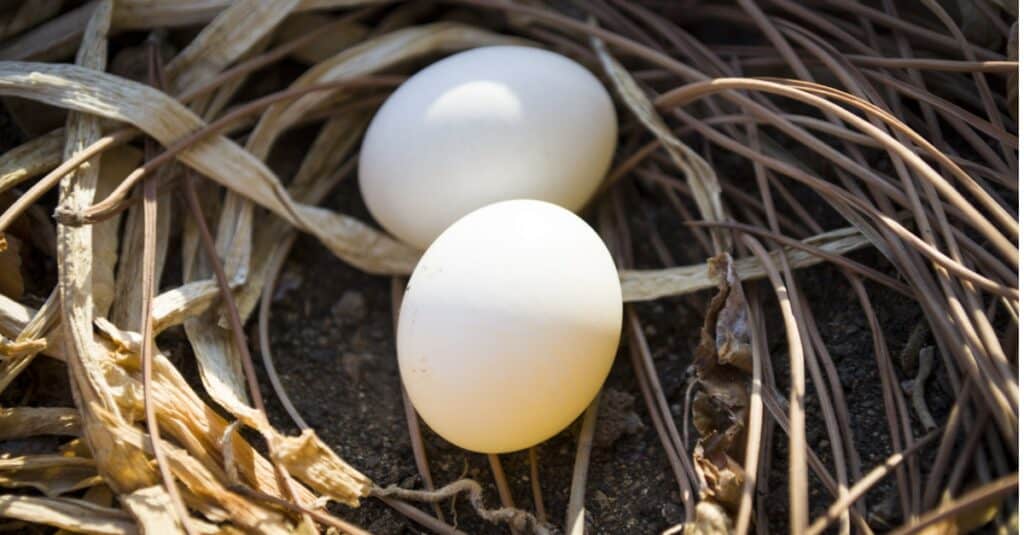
509	325
482	126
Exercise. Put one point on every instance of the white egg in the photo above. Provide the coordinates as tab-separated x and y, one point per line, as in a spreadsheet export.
509	325
481	126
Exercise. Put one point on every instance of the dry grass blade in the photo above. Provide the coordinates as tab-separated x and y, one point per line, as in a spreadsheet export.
699	175
23	422
644	285
575	513
231	34
31	159
67	513
218	158
797	438
53	475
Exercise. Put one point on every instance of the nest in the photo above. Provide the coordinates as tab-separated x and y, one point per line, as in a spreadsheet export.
777	136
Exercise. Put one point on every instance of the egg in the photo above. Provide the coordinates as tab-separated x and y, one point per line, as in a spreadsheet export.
509	325
481	126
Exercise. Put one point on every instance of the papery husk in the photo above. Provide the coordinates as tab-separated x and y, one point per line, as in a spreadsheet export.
645	285
78	516
721	406
53	475
30	159
125	468
24	422
115	165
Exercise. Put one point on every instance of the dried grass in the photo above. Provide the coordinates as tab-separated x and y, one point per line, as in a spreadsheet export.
902	130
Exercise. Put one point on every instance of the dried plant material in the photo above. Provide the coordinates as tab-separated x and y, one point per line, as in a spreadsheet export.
925	364
700	177
23	422
127	306
151	508
233	32
645	285
31	159
27	15
334	143
198	480
124	468
371	56
1013	81
78	516
220	362
309	459
12	284
52	475
711	519
720	407
173	306
341	36
144	14
218	158
33	118
115	165
55	39
519	521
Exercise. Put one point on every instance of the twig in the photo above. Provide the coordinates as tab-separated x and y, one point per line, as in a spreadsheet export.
149	212
517	519
984	494
797	438
575	512
538	496
501	481
319	516
412	421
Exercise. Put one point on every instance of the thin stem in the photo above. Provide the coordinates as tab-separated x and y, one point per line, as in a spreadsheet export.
575	511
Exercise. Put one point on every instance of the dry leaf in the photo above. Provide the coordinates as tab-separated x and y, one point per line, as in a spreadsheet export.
74	515
153	511
218	157
233	32
115	165
645	285
323	47
219	502
31	159
700	177
52	475
720	408
711	519
307	458
22	422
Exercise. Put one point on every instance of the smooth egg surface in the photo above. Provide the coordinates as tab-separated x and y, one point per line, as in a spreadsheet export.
509	325
481	126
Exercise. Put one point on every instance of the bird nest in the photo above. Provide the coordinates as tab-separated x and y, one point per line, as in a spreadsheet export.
150	202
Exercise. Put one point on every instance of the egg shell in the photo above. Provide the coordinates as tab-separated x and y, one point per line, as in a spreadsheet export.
481	126
509	326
